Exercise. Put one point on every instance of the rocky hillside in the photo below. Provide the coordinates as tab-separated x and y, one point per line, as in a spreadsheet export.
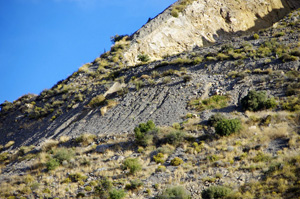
149	91
221	118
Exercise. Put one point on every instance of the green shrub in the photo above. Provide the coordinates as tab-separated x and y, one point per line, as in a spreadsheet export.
226	127
175	193
256	36
176	161
174	13
142	133
215	192
117	194
159	158
64	154
134	184
52	164
214	119
97	101
175	137
75	177
133	165
143	58
256	101
88	188
105	185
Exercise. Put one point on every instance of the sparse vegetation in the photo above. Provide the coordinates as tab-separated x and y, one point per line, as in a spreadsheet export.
175	192
214	102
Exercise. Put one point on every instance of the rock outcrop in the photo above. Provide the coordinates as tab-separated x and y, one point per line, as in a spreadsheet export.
203	22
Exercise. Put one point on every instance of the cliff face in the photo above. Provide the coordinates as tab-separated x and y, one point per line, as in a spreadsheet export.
202	22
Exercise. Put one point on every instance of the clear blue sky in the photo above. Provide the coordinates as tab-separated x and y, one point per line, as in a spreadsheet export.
44	41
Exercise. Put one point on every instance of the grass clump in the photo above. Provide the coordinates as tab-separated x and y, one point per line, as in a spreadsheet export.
143	58
159	158
52	164
117	194
255	101
214	102
225	127
104	187
134	184
176	161
64	154
133	164
76	177
215	192
97	101
175	137
85	139
177	192
255	36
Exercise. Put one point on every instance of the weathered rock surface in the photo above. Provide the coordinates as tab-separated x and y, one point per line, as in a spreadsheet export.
204	22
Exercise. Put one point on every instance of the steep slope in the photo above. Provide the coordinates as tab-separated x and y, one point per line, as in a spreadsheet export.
154	91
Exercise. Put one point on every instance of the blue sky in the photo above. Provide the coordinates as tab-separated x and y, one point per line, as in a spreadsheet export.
45	41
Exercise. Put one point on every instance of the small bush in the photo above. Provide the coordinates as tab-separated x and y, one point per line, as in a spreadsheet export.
160	168
97	101
105	185
176	161
142	133
75	177
214	119
215	192
64	154
175	192
174	13
52	164
88	188
85	139
256	101
133	165
117	194
226	127
175	137
143	58
134	184
159	158
256	36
